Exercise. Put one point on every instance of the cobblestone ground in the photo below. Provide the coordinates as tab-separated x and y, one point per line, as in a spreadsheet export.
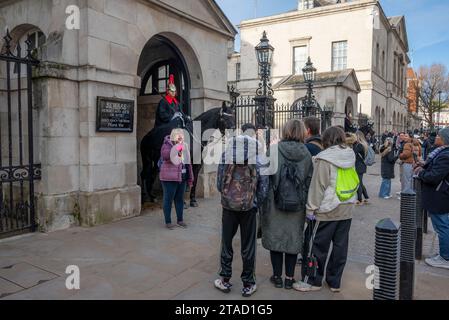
139	259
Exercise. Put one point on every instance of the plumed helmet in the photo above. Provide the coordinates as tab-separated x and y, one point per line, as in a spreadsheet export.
171	84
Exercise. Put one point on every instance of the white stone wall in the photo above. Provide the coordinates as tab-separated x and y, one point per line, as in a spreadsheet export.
87	176
317	28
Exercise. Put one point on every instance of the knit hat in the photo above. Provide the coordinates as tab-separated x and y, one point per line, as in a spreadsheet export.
444	134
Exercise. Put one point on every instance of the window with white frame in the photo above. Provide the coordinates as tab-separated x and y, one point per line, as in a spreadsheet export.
299	59
377	62
339	55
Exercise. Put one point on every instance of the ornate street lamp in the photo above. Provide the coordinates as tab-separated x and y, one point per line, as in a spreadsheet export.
264	94
310	105
264	51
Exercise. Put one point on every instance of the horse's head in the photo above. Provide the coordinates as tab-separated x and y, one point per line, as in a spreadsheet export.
226	119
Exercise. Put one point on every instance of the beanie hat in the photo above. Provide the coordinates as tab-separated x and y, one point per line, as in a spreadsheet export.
444	134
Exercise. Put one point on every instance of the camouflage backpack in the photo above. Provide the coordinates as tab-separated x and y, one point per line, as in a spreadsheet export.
239	187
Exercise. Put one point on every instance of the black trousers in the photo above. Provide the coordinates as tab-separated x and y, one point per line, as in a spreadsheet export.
337	233
361	191
277	260
247	222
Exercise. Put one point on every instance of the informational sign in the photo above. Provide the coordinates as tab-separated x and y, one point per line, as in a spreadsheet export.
115	115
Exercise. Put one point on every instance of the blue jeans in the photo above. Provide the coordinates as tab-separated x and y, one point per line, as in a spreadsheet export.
173	191
440	223
385	188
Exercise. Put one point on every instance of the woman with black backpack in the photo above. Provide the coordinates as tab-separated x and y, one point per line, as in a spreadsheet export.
284	217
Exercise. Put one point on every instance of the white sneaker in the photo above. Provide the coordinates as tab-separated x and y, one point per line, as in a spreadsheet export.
223	286
249	291
438	262
305	287
388	197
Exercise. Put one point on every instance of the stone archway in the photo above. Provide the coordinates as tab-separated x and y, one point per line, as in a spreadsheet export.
382	117
349	107
165	54
377	120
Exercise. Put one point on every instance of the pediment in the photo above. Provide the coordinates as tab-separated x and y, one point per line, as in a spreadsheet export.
352	82
206	11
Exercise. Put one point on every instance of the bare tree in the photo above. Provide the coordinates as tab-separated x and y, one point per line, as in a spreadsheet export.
432	80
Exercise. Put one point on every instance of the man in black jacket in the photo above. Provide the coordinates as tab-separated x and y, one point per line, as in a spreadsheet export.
434	174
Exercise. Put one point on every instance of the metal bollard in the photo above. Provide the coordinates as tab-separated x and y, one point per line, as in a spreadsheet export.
419	219
386	260
408	243
425	228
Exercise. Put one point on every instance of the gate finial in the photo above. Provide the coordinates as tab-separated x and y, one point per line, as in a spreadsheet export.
8	40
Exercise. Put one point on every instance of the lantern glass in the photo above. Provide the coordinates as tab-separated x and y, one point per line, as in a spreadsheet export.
264	50
309	71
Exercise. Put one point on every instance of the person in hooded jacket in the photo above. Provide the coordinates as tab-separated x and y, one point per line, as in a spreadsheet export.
333	217
241	150
282	232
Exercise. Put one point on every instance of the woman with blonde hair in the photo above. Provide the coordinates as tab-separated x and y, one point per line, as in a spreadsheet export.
175	173
285	211
360	148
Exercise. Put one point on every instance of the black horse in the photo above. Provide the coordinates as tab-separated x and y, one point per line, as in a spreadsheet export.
150	148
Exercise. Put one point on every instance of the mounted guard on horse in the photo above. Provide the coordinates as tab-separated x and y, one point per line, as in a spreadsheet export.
169	116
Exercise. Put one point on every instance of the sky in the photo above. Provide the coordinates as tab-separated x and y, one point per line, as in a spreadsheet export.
427	23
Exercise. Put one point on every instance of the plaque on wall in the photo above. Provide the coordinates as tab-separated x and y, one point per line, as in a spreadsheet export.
115	115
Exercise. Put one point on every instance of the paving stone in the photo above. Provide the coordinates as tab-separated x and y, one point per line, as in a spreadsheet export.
26	275
7	288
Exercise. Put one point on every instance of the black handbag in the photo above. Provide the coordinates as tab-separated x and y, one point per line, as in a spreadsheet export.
311	263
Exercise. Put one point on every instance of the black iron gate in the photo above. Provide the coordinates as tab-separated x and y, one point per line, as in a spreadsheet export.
246	106
18	170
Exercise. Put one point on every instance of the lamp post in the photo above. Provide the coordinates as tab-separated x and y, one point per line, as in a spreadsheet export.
264	94
309	105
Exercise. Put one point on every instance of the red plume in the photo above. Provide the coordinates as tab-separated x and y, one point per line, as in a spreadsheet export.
171	80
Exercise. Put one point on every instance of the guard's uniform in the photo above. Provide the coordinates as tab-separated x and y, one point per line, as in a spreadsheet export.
166	109
168	106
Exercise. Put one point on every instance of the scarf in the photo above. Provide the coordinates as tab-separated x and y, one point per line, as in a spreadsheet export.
434	153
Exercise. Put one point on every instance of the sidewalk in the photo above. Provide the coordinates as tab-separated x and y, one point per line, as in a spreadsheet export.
140	259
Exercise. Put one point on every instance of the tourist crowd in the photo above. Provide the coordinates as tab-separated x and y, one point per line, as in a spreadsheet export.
305	207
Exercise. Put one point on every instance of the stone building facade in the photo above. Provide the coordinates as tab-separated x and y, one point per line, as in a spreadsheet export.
413	89
337	35
91	177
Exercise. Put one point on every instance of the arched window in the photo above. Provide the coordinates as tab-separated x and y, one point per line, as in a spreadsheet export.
156	79
377	59
383	64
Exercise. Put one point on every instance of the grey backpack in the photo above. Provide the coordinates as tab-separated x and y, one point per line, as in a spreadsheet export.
370	157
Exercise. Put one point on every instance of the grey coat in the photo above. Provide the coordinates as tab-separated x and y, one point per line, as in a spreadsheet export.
283	231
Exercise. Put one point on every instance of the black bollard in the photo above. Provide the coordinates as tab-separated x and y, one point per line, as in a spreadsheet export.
419	219
408	243
386	260
425	228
